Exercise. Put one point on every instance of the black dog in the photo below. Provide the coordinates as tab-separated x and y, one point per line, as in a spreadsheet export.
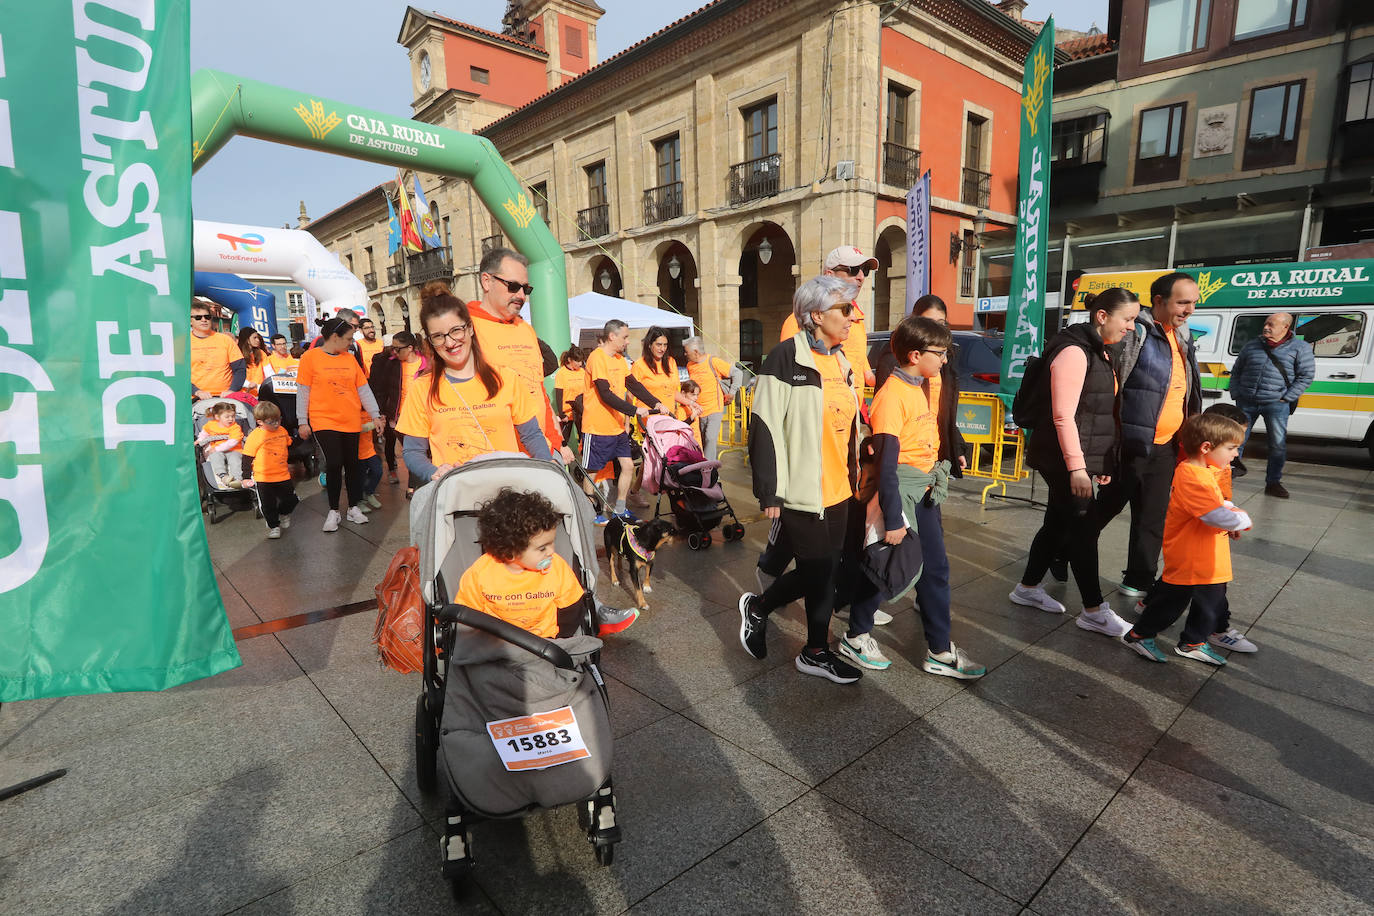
634	543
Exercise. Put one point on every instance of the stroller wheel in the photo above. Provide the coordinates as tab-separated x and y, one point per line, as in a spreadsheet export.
426	746
605	855
737	530
694	541
706	540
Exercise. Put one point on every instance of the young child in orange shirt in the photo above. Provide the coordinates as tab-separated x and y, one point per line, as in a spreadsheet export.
267	447
1198	529
684	413
223	438
520	578
372	465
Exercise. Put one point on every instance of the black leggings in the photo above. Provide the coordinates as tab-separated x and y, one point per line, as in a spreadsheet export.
1069	530
817	543
341	453
390	437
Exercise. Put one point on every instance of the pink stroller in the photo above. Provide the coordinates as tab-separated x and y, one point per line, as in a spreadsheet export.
675	467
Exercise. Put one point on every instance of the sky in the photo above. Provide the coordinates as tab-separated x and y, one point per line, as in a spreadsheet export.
347	50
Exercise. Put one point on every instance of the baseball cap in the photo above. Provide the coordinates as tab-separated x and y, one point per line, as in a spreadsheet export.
849	256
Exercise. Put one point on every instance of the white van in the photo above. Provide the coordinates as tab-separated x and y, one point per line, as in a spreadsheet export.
1333	302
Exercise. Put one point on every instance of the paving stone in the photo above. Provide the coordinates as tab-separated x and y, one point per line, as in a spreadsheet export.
1318	603
1174	843
816	850
1303	754
235	608
1319	664
1000	795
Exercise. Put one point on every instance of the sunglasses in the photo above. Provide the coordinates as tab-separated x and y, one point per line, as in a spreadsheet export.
512	286
200	317
846	309
861	270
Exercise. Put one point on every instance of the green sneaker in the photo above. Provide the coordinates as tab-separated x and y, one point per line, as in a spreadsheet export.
1201	652
953	663
863	650
1144	647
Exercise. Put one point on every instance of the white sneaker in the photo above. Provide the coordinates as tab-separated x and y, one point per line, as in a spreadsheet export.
1232	639
881	618
273	533
284	521
331	521
355	515
863	650
1035	597
1104	620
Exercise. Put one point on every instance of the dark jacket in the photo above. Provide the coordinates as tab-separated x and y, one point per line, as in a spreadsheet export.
1144	369
1255	380
947	416
1097	416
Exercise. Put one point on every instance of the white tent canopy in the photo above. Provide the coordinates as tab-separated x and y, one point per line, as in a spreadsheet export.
591	311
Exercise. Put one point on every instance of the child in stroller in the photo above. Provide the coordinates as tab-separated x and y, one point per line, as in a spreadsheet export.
674	465
218	422
514	705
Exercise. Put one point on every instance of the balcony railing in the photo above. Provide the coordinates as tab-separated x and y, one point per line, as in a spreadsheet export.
901	165
662	203
594	222
491	243
370	280
433	264
966	282
755	178
977	190
395	275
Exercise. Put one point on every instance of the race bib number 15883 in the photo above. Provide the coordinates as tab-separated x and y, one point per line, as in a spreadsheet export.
537	742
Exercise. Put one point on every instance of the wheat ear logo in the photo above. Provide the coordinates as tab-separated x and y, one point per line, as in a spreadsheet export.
1206	286
314	117
1034	99
522	212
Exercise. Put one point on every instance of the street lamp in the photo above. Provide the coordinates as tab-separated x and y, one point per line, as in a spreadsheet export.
674	267
958	245
765	252
605	279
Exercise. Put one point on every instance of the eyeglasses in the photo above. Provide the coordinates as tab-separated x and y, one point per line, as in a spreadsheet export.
943	354
845	308
457	334
512	286
862	269
200	317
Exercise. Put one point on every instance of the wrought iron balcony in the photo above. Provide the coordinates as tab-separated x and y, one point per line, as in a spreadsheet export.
977	190
663	203
901	165
491	242
755	179
395	275
370	280
594	222
433	264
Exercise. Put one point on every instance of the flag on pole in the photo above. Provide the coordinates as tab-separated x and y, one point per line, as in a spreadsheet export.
393	226
918	241
1026	304
428	231
410	235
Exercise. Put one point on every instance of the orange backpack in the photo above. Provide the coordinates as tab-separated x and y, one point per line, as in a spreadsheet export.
399	634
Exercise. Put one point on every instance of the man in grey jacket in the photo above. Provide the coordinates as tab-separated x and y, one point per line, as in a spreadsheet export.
1270	374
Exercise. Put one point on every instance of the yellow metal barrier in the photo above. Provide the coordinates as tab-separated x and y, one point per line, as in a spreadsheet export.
981	421
734	424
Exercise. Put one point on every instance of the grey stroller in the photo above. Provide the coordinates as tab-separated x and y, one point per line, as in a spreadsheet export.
212	495
513	722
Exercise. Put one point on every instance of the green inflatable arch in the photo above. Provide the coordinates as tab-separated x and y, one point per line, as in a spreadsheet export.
223	105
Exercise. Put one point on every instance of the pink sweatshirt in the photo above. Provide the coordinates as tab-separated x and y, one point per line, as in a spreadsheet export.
1068	372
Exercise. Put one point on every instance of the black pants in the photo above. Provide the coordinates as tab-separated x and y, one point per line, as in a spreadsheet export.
777	556
818	544
278	499
390	437
341	454
1143	483
1070	530
1167	602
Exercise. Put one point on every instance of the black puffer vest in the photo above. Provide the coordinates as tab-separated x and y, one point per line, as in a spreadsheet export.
1099	425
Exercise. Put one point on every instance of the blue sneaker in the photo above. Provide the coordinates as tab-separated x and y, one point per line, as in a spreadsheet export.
1144	647
323	482
627	516
602	521
1201	652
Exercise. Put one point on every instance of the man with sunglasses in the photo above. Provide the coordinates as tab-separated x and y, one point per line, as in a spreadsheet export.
217	365
508	340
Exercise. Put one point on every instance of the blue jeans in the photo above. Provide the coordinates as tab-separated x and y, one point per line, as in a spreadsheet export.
372	473
1276	427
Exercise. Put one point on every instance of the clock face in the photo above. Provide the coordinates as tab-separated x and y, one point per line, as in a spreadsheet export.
424	70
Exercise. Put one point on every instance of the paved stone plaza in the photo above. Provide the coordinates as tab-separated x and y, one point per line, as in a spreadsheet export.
1074	778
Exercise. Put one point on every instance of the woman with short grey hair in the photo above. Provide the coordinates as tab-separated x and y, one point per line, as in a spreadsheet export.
717	381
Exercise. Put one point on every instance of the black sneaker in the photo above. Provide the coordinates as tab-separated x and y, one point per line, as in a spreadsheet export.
1276	489
752	626
1238	469
825	664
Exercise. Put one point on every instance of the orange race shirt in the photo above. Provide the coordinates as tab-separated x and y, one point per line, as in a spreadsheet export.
369	349
529	599
597	418
254	377
660	386
281	363
334	382
465	422
1195	553
1171	413
855	345
514	345
221	431
571	383
366	446
904	411
210	359
840	408
267	448
707	374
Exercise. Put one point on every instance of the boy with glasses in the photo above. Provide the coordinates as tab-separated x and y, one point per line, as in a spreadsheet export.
217	366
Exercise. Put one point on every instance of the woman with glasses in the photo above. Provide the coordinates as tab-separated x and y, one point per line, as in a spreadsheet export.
331	397
803	451
391	369
1074	444
463	406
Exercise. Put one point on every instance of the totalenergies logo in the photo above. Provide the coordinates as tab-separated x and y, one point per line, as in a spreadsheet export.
251	242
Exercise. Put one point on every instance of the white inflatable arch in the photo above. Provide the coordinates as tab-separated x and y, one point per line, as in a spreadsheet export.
262	251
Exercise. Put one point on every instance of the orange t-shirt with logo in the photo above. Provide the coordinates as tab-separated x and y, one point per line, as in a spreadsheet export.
281	363
210	359
216	429
572	382
369	349
514	345
660	385
1195	553
529	599
1171	413
267	448
855	345
904	411
334	382
254	377
465	421
597	418
707	374
840	408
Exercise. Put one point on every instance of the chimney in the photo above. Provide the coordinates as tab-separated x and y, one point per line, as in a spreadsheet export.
305	218
1012	8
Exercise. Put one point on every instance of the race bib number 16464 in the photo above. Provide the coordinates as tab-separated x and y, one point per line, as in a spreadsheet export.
536	742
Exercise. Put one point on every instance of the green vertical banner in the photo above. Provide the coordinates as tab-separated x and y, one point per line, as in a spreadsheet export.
105	576
1026	303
